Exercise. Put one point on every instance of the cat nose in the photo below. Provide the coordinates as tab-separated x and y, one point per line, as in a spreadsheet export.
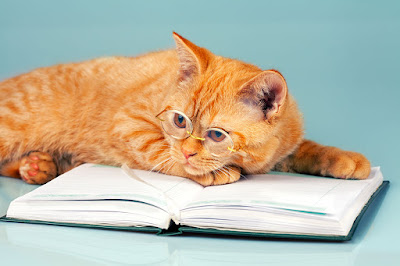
188	154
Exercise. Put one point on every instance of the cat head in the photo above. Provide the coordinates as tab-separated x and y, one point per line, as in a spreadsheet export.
239	99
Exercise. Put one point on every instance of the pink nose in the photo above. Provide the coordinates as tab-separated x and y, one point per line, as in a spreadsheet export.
188	154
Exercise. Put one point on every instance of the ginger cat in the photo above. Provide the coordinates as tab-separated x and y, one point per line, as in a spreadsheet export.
184	112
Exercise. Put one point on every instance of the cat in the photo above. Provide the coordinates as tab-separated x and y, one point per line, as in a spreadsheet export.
184	112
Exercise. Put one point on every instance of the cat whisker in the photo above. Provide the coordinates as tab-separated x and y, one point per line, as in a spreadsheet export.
172	164
243	176
169	163
217	172
152	169
223	171
161	169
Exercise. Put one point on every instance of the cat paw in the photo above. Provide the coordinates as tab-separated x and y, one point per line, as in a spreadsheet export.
347	165
226	175
37	168
222	176
204	180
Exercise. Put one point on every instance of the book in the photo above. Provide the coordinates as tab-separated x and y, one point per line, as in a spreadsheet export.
271	205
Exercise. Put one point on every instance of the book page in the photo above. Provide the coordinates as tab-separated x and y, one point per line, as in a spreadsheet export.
179	190
277	203
96	182
320	195
98	194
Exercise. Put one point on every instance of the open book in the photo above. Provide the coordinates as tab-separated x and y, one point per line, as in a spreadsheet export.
279	205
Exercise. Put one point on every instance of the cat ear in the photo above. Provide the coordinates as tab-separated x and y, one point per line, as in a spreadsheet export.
191	58
266	91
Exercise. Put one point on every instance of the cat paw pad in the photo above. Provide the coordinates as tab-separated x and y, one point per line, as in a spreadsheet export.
37	168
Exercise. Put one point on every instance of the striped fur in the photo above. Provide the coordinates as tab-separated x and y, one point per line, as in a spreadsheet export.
103	111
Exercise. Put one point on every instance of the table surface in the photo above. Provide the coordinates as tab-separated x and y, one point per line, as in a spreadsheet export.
375	241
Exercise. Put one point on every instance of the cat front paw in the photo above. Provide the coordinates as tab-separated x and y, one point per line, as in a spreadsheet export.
225	175
37	168
346	165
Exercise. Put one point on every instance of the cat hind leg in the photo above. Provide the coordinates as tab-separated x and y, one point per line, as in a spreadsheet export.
34	168
316	159
37	168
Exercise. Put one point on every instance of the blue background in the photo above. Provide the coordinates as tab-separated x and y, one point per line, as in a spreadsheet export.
340	60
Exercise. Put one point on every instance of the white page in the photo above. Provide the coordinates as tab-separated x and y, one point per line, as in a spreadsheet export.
297	193
179	189
282	203
89	186
91	182
100	212
95	182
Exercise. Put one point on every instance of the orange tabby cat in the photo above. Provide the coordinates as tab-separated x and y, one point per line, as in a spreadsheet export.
184	112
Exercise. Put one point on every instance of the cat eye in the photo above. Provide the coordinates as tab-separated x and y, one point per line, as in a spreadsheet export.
176	124
216	135
179	126
179	121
